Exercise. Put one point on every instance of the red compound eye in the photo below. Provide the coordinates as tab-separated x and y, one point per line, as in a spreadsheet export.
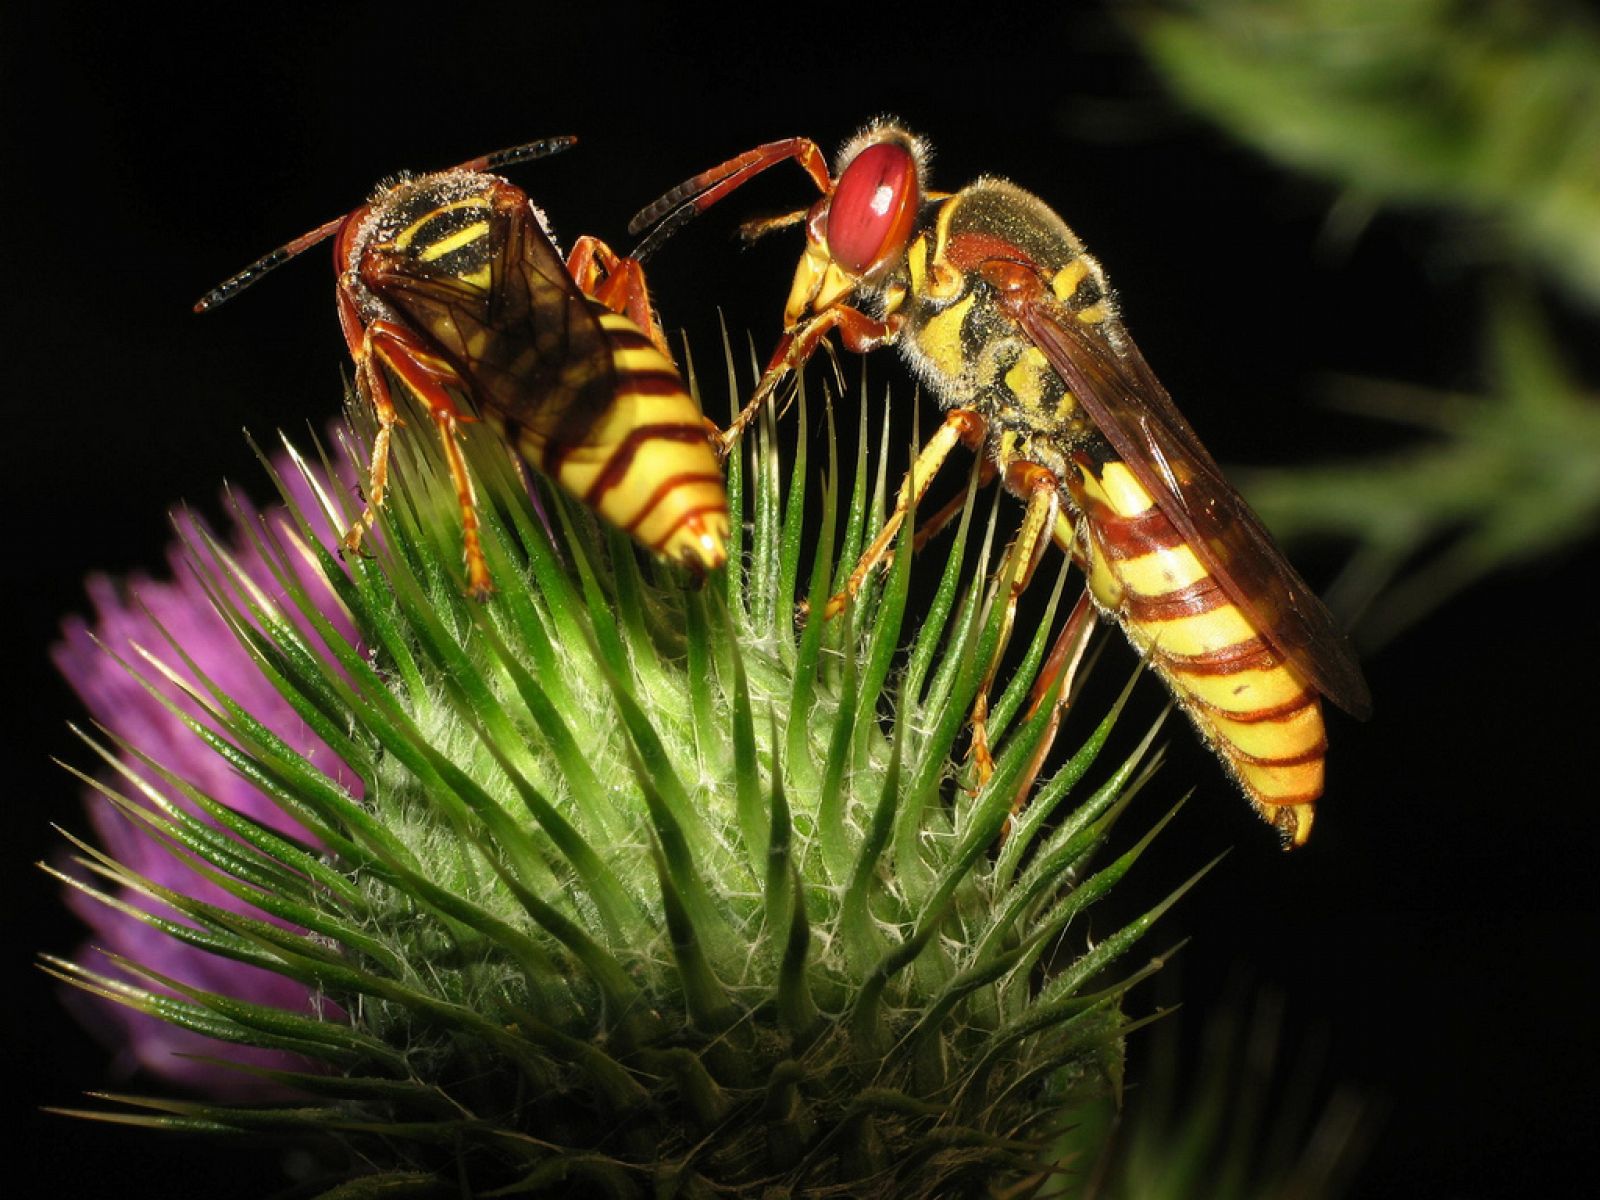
874	208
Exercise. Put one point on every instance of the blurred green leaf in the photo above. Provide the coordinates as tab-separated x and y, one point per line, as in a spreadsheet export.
1488	110
1505	478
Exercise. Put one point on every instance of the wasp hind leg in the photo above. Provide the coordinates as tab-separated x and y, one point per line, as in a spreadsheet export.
618	283
1043	492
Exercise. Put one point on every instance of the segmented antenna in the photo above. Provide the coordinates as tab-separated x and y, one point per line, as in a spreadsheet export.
671	211
526	152
234	284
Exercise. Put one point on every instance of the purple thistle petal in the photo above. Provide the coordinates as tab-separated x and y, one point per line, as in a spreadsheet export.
136	615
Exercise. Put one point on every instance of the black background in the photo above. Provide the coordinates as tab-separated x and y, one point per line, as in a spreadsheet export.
1439	931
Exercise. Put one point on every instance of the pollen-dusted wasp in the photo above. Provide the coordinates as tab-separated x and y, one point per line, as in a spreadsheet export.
998	308
450	287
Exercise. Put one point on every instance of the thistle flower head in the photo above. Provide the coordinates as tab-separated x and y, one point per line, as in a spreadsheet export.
137	714
616	884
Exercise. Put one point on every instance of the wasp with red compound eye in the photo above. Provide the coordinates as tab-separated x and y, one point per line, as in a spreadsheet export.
998	308
450	287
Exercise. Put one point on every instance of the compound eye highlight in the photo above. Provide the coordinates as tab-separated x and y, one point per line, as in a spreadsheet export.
873	209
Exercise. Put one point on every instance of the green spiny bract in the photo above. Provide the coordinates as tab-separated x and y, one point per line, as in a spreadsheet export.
649	889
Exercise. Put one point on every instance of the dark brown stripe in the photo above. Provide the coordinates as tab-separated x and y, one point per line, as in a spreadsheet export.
1202	596
650	383
621	460
1297	800
1252	654
1255	716
642	383
628	337
971	249
1319	751
1133	537
660	543
664	489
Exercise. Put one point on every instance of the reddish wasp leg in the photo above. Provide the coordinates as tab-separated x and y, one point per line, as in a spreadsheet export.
426	377
616	282
859	332
376	393
373	388
1043	491
1058	671
1065	656
758	227
960	425
619	284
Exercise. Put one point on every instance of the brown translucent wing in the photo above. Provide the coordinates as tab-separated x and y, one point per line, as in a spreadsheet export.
529	344
1127	403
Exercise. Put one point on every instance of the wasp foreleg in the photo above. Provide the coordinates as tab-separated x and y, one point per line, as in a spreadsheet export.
429	379
960	426
860	332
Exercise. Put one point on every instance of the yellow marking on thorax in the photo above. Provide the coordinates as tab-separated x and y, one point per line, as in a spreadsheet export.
408	235
893	297
1094	314
1025	379
448	245
942	281
940	337
1006	451
1066	280
917	264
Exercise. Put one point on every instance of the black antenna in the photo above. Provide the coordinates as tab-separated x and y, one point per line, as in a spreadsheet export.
234	284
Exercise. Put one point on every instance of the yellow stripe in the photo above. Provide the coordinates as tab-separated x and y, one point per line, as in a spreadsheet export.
1118	489
1264	783
917	263
453	242
409	233
1203	633
1242	691
1162	571
1300	733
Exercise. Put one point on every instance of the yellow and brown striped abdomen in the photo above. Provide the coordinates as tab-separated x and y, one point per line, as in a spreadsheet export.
1260	717
642	460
